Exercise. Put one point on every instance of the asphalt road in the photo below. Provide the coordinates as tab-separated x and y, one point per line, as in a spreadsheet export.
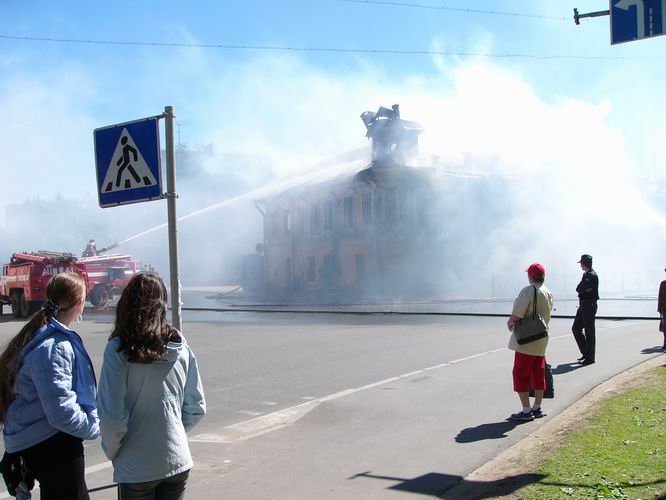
348	406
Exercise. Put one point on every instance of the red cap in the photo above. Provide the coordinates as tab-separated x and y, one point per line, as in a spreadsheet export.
536	270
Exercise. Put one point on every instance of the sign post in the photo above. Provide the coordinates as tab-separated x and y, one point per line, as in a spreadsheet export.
171	196
128	166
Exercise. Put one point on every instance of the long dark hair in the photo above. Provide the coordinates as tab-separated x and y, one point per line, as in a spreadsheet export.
141	323
63	292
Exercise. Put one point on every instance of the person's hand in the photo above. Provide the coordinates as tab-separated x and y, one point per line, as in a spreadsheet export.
510	324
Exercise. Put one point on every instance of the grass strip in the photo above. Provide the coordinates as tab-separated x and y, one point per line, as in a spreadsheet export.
619	452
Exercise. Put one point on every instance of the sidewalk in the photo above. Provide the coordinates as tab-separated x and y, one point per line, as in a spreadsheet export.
513	468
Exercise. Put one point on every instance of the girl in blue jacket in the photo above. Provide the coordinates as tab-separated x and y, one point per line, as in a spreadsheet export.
48	393
150	395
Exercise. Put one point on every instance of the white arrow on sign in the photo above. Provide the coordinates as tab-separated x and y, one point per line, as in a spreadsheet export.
640	14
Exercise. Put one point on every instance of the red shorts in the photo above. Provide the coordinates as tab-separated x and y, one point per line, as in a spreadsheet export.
529	372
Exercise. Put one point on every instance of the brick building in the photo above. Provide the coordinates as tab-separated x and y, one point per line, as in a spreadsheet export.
375	233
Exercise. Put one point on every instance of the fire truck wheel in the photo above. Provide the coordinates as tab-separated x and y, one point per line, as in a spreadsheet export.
99	297
14	299
25	306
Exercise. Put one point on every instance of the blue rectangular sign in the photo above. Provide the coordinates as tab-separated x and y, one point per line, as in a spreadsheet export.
127	161
636	19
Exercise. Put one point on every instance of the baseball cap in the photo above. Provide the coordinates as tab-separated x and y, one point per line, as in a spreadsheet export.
536	270
585	259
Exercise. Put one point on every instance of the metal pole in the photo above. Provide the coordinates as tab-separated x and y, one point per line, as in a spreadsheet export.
578	17
171	196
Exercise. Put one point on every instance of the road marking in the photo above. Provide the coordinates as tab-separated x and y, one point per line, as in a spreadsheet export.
250	413
96	468
470	357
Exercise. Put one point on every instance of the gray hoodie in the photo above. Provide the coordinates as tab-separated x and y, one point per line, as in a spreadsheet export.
145	411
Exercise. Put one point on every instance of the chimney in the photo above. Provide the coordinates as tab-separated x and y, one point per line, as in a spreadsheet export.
394	141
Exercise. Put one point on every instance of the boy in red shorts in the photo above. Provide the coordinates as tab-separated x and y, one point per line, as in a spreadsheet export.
529	365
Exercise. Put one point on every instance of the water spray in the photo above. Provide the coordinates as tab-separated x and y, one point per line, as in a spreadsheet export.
262	191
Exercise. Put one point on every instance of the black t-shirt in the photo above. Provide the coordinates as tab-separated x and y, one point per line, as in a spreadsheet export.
588	288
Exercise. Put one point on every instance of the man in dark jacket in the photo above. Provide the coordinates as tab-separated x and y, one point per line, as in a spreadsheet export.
583	326
661	309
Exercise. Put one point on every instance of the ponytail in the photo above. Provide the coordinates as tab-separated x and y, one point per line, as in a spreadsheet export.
63	292
7	358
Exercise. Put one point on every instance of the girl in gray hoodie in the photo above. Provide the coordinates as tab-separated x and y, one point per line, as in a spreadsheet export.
150	395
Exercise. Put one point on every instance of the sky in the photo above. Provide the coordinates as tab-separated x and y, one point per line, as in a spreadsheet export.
515	80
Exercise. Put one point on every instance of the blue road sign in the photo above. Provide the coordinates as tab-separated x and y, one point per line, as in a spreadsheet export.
636	19
127	160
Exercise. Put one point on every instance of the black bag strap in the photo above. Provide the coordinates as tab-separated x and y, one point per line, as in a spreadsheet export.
534	311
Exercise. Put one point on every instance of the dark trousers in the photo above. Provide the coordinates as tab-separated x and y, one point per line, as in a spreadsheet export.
59	466
170	488
584	330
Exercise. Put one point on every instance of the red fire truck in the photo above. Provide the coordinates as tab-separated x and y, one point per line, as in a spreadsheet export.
105	275
24	279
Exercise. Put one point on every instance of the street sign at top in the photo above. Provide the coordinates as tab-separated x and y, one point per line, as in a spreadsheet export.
127	160
636	19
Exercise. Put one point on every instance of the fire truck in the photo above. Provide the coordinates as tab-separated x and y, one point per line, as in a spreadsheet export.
24	279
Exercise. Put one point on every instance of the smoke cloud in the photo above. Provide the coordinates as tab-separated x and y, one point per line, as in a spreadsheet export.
556	178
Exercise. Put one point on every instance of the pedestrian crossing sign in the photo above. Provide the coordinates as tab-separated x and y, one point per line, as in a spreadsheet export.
127	160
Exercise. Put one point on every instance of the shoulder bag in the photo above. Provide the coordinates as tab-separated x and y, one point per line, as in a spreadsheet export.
532	327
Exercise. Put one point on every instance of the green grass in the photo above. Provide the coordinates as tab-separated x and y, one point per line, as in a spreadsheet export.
620	452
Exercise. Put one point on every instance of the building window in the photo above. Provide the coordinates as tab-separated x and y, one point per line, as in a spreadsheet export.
274	224
349	211
312	276
406	204
289	271
314	217
391	205
300	222
367	208
287	221
360	268
328	215
328	271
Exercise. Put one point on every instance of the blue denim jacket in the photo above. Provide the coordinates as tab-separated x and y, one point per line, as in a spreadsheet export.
55	390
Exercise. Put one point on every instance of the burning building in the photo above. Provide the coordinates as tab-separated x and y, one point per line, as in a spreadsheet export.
377	233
